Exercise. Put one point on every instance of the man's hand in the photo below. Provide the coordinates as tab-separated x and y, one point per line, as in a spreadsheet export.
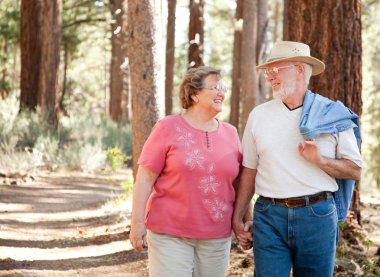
137	236
337	168
310	152
243	233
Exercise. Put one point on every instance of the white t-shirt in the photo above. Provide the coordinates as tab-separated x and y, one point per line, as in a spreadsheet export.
270	145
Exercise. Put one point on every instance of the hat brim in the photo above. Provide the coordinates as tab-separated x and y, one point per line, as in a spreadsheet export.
317	66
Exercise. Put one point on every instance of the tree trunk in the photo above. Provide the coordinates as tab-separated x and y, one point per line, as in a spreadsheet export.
262	25
196	33
41	31
51	30
170	48
277	19
31	46
3	85
333	31
236	65
249	84
143	16
62	107
118	55
126	99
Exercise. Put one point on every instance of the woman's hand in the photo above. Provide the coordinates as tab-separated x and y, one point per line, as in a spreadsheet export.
243	233
137	236
245	238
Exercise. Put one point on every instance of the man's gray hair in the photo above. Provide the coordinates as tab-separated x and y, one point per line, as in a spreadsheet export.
308	71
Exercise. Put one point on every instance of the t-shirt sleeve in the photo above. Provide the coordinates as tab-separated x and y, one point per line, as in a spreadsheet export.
347	147
250	158
153	154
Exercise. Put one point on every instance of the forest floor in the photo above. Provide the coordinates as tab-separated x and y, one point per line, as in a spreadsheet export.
65	224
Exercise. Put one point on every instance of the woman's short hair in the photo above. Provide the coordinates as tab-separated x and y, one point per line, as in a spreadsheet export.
192	82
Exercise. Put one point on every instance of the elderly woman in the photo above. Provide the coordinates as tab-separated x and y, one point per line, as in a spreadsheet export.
183	196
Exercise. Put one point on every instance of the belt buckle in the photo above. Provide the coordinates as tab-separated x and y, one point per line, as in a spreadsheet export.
289	205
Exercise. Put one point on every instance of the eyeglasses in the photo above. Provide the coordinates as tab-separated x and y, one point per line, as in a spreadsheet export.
218	88
275	70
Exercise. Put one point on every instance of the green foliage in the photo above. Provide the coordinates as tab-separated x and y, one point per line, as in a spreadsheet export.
118	160
218	45
352	252
9	21
27	142
372	268
219	34
9	40
76	14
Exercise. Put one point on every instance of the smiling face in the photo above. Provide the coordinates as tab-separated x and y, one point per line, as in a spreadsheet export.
210	97
283	80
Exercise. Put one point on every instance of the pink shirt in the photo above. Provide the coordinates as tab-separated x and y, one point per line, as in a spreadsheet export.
193	196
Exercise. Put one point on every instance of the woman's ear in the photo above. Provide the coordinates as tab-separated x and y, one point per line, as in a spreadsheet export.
195	98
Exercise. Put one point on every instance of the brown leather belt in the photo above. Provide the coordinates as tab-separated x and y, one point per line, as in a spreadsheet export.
300	201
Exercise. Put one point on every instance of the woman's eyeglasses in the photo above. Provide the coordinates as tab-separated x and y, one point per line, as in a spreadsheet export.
218	88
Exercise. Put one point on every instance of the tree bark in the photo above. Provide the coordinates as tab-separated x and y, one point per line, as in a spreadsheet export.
3	85
62	107
196	33
118	55
31	46
262	25
236	65
277	19
51	30
170	51
41	31
333	31
249	84
144	67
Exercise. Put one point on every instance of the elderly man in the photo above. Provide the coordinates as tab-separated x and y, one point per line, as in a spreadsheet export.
301	156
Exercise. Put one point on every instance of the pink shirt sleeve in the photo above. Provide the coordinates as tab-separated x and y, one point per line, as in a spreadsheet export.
153	154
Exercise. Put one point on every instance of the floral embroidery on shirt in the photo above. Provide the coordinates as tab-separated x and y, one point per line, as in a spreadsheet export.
186	137
195	159
217	208
209	183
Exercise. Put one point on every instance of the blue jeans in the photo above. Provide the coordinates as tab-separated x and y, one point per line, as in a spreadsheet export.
303	238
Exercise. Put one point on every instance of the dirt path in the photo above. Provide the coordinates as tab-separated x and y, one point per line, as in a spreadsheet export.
64	224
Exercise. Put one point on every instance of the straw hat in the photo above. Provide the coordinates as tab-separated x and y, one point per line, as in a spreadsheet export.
293	52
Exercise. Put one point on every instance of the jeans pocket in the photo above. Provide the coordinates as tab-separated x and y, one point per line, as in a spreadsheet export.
323	208
261	205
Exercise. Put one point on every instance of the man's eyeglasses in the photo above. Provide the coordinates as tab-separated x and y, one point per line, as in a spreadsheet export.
275	70
218	88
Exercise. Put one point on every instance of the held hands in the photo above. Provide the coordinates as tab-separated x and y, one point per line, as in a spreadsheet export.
243	233
137	236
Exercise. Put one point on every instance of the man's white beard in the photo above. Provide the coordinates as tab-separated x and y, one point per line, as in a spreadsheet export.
287	89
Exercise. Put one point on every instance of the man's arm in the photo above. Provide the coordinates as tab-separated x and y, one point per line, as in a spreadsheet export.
243	206
339	168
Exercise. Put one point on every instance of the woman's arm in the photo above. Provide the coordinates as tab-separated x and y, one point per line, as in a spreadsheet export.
142	189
